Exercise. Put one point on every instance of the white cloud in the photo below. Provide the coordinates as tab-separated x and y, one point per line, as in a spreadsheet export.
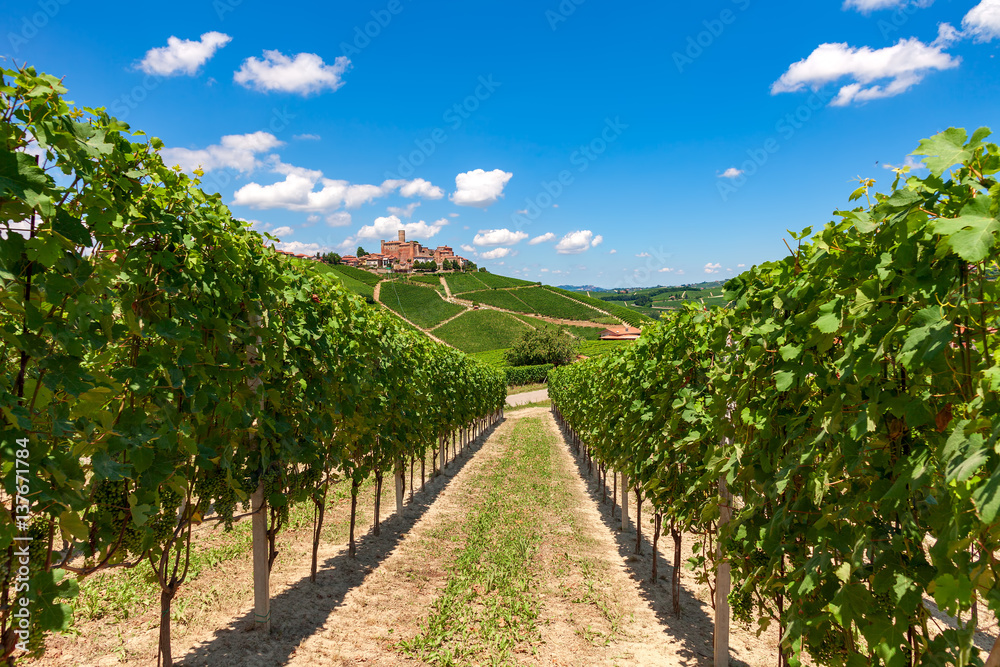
643	254
183	56
544	238
910	161
306	137
234	151
869	6
339	219
387	226
680	272
496	253
983	21
575	242
712	268
495	237
404	211
598	240
282	231
898	67
467	248
732	172
298	191
305	73
666	270
480	188
612	252
303	248
453	215
740	266
418	187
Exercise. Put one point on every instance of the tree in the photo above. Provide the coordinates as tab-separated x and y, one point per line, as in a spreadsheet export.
446	265
482	269
471	267
643	300
360	252
541	346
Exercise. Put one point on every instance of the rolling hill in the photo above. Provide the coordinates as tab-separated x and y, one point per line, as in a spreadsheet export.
484	313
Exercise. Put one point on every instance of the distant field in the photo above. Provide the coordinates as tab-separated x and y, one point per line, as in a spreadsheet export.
366	277
464	282
549	303
481	331
584	333
627	315
506	299
351	284
493	280
492	357
421	305
434	281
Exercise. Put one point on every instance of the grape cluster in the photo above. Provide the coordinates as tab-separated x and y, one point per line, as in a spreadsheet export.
741	604
830	649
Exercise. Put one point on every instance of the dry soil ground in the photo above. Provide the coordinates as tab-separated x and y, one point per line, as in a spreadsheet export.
443	583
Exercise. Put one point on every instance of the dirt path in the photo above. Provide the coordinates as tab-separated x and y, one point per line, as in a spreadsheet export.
447	290
528	397
378	290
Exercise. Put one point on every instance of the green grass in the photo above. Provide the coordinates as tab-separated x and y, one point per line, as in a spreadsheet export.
595	348
421	305
350	283
493	280
481	331
583	333
535	301
494	358
547	403
490	604
463	282
506	299
628	315
545	301
433	281
366	277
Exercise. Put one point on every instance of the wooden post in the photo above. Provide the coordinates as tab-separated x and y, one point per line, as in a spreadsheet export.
994	659
258	505
261	569
624	503
722	584
442	454
400	483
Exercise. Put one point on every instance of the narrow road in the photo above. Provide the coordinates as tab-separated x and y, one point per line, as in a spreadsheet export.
528	397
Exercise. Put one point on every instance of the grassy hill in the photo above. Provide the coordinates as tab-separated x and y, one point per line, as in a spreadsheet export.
421	305
481	331
487	332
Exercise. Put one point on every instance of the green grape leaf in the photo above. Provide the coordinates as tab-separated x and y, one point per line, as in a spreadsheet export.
970	235
944	150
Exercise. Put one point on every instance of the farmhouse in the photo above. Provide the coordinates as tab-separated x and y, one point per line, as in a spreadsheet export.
402	253
621	332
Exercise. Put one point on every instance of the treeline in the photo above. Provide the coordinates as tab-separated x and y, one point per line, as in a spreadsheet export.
163	367
845	411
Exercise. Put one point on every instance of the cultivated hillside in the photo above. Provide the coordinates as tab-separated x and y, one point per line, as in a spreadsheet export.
484	314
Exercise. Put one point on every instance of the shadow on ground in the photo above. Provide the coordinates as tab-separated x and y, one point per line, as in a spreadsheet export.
697	646
339	574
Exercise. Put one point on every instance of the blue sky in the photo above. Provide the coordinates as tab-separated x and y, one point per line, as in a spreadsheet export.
654	143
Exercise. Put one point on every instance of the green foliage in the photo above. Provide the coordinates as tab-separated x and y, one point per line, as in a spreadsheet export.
849	399
360	252
162	361
421	305
521	375
499	298
481	330
541	346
